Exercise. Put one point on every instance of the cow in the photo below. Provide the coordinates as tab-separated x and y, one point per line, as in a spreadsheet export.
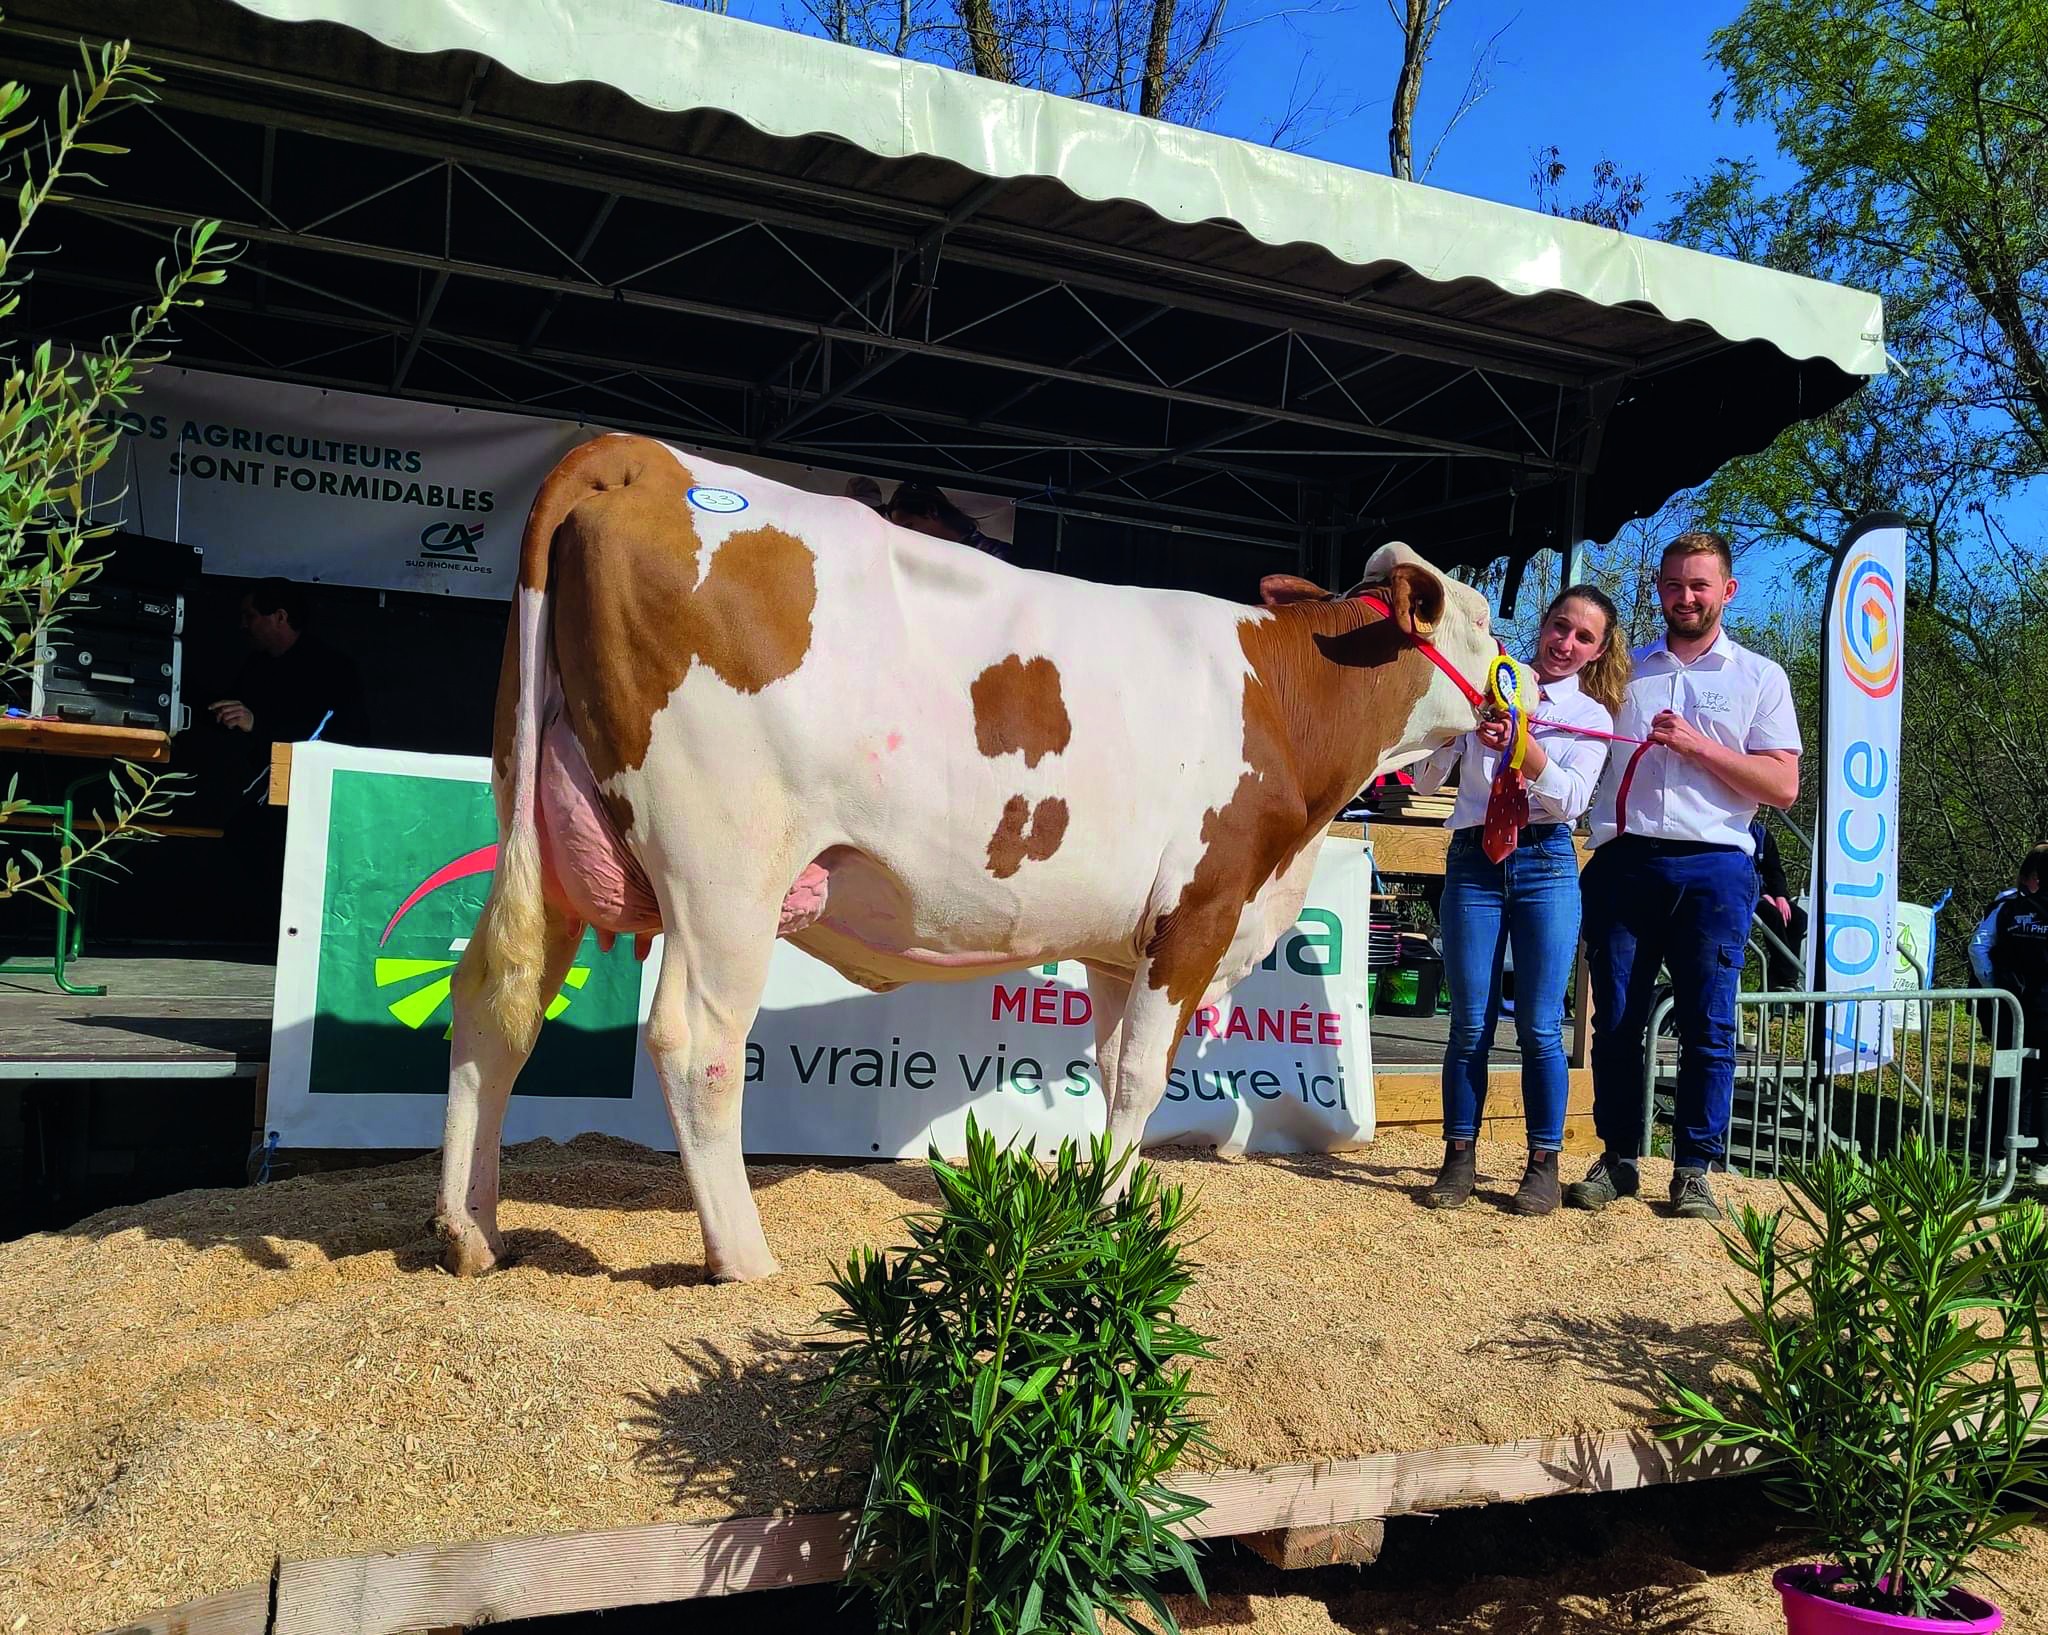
730	712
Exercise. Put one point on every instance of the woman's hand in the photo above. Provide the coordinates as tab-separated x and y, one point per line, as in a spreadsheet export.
1496	734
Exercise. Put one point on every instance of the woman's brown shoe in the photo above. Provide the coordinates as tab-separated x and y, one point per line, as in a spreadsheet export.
1453	1185
1539	1193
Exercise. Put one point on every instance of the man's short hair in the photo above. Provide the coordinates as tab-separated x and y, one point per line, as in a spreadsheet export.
1695	541
271	595
2035	864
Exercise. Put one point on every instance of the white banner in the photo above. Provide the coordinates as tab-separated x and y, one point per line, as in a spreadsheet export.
342	488
1855	935
387	860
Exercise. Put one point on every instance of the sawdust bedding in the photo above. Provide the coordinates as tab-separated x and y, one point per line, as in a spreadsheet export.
1646	1580
196	1386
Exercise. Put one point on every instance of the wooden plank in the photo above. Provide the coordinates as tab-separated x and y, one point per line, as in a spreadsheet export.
245	1611
1339	1492
1409	848
496	1580
1296	1549
1416	848
36	824
1579	1134
1417	1098
280	774
78	738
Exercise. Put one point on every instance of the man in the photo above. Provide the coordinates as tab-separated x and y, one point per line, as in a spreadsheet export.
292	681
1672	880
2010	950
292	687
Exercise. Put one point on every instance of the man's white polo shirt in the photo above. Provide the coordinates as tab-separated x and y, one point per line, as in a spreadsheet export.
1729	694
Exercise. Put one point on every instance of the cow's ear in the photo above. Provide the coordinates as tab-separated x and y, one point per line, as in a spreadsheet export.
1416	595
1282	589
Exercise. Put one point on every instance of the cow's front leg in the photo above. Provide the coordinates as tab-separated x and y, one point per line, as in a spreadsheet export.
705	1002
485	1055
1153	1022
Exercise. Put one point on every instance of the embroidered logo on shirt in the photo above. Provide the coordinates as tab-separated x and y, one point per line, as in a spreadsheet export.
1712	703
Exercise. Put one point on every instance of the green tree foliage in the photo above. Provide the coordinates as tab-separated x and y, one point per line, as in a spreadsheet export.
1920	129
56	421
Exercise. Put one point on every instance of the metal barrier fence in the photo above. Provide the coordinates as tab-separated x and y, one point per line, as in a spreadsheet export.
1954	1077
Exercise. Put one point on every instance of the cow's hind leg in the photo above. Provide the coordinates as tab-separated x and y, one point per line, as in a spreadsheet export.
486	1053
714	967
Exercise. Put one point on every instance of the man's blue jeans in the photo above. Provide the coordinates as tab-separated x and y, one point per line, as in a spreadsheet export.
1653	903
1529	902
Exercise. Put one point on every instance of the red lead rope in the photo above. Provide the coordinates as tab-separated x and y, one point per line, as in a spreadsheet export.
1477	700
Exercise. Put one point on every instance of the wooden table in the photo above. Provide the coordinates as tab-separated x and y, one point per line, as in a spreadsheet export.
38	736
31	735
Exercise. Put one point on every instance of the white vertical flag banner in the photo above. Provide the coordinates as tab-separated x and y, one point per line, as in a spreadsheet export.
1863	658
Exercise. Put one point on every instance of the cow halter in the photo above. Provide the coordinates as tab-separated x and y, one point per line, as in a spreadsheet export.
1429	650
1506	669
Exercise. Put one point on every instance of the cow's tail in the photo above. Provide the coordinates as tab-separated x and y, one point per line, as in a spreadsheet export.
507	957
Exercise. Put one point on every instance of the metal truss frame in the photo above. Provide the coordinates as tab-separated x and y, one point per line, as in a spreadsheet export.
1067	366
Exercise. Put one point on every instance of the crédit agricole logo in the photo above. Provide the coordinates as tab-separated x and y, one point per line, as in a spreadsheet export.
435	977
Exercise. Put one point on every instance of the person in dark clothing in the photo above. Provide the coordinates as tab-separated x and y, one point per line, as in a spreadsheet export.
292	681
923	509
292	687
2015	939
1774	906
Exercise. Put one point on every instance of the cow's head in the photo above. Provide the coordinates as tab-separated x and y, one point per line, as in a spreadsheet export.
1428	607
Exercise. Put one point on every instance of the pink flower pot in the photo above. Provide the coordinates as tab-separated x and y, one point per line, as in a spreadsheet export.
1810	1613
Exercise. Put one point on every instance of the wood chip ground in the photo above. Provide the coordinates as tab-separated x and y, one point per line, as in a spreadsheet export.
191	1388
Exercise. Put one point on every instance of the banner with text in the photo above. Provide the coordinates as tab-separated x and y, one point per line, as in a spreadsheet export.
344	488
1855	938
387	862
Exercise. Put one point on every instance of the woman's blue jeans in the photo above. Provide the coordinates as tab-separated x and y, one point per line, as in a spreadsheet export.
1529	902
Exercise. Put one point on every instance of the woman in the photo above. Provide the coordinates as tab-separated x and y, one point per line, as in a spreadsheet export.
924	509
1530	901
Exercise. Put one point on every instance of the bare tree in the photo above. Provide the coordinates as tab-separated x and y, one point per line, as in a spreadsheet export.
1478	85
1418	21
1160	58
1152	99
988	48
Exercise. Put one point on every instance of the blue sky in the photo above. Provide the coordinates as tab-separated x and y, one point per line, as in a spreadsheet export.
1630	81
1619	79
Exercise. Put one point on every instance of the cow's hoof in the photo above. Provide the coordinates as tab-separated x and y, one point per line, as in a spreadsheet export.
744	1270
468	1251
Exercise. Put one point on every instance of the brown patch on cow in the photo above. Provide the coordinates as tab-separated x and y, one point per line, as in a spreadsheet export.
629	615
1017	706
1013	842
751	618
1332	685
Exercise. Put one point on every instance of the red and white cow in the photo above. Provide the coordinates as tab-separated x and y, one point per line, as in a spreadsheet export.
732	712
